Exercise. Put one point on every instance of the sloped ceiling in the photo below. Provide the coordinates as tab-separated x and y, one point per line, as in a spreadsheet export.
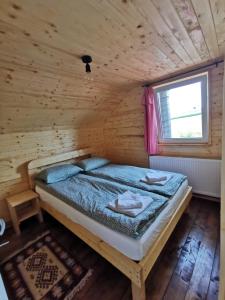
43	82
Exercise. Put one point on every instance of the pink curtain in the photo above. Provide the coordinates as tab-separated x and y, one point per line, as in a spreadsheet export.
151	128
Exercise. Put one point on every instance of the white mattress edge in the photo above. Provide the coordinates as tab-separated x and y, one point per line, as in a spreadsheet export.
133	248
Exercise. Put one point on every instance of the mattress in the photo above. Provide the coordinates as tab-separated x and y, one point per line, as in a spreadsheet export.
132	248
132	176
91	196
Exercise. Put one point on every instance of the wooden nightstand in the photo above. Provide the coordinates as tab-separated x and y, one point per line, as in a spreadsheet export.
23	206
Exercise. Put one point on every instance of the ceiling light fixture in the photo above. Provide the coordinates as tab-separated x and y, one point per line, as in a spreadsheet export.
87	59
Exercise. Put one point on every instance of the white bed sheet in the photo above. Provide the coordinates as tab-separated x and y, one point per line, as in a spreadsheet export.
133	248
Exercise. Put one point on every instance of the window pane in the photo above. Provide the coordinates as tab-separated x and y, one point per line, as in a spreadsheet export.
181	111
190	127
185	100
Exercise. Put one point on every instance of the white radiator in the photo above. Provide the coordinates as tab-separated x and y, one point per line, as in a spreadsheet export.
203	174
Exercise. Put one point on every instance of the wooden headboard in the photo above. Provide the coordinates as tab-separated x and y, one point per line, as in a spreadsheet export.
35	166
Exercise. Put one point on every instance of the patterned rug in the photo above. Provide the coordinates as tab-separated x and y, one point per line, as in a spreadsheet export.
44	270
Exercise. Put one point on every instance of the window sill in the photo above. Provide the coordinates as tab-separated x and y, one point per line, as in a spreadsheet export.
184	144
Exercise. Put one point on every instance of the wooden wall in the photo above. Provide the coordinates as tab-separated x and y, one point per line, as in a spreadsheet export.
42	113
124	129
20	147
222	209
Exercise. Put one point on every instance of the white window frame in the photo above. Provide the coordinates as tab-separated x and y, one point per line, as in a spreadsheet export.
203	78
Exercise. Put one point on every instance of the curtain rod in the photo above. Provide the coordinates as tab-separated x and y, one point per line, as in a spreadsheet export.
216	63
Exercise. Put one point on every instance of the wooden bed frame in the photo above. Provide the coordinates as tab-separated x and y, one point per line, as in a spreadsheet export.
136	271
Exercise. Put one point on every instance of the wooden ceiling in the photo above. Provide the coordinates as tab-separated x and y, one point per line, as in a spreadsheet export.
131	41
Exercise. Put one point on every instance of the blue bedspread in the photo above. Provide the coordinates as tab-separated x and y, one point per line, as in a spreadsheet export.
90	195
131	176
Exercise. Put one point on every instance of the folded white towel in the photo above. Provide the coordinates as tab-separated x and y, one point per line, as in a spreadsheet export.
128	200
131	212
157	177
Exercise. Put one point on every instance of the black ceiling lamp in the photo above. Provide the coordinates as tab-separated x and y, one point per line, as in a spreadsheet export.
87	59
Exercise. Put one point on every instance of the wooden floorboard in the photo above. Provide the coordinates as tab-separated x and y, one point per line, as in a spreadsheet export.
200	279
183	271
169	258
188	268
213	290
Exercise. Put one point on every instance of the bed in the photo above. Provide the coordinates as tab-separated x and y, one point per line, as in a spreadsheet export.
132	176
133	257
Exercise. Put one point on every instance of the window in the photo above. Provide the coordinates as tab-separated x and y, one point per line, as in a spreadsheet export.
183	110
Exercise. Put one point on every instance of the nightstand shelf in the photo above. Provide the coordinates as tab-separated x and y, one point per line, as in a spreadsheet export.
19	213
27	214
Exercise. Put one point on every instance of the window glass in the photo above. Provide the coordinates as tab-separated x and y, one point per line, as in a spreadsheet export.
183	110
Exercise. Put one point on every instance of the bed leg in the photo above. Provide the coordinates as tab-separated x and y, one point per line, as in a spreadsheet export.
138	293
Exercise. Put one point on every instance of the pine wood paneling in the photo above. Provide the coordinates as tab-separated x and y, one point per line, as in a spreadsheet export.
124	130
189	18
206	21
130	41
125	127
48	104
19	148
218	11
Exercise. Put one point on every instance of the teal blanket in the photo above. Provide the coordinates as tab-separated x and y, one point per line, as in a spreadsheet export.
131	176
90	195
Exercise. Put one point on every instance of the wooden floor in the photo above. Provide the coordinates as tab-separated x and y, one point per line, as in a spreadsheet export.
188	268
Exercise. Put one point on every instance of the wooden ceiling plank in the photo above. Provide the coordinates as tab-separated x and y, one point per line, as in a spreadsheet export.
107	32
152	15
172	19
141	37
41	45
218	11
187	15
131	42
125	29
206	22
